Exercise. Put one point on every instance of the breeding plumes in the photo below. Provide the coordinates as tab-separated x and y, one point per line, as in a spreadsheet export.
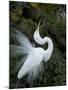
34	55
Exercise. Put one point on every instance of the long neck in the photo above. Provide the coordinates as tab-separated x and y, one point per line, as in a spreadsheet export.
50	44
44	40
47	53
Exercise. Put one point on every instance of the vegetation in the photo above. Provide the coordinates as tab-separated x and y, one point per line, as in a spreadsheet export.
25	17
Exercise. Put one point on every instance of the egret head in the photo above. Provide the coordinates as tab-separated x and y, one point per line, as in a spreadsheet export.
37	29
36	35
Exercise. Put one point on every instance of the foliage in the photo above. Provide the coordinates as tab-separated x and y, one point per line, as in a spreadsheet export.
25	17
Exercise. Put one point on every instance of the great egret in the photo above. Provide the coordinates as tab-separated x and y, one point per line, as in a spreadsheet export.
35	55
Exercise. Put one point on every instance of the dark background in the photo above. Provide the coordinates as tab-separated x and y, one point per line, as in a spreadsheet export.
25	16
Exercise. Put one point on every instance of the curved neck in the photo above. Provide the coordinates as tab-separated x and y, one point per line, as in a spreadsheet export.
44	40
50	44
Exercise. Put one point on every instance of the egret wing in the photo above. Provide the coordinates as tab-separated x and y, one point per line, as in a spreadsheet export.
22	39
18	50
28	65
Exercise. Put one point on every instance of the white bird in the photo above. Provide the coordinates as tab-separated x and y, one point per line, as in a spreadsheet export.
35	55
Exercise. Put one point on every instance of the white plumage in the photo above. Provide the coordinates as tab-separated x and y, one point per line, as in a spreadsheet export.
35	55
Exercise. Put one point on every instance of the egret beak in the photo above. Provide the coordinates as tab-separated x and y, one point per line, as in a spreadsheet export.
36	34
37	30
